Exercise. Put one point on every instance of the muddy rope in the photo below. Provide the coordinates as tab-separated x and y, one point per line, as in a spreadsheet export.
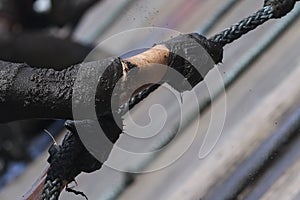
272	9
63	159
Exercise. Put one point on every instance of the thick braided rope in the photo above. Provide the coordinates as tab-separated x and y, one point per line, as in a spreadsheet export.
272	9
244	26
51	189
58	154
66	162
225	37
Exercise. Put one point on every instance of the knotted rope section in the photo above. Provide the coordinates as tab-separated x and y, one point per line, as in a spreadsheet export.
272	9
66	162
71	158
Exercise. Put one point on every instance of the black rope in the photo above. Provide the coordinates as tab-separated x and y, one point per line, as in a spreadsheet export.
51	189
238	30
272	9
66	162
63	159
137	98
180	55
68	189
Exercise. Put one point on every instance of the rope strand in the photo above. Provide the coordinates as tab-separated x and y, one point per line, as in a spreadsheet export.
244	26
54	181
272	9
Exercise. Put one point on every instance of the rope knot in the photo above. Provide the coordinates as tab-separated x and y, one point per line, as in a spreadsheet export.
280	7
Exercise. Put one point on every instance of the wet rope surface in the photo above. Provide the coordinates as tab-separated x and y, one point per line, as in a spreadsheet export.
64	164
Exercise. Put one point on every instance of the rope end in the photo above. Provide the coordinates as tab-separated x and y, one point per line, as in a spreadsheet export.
280	7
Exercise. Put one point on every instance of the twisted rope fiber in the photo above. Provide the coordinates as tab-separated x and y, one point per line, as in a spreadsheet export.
64	164
51	189
136	99
272	9
244	26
